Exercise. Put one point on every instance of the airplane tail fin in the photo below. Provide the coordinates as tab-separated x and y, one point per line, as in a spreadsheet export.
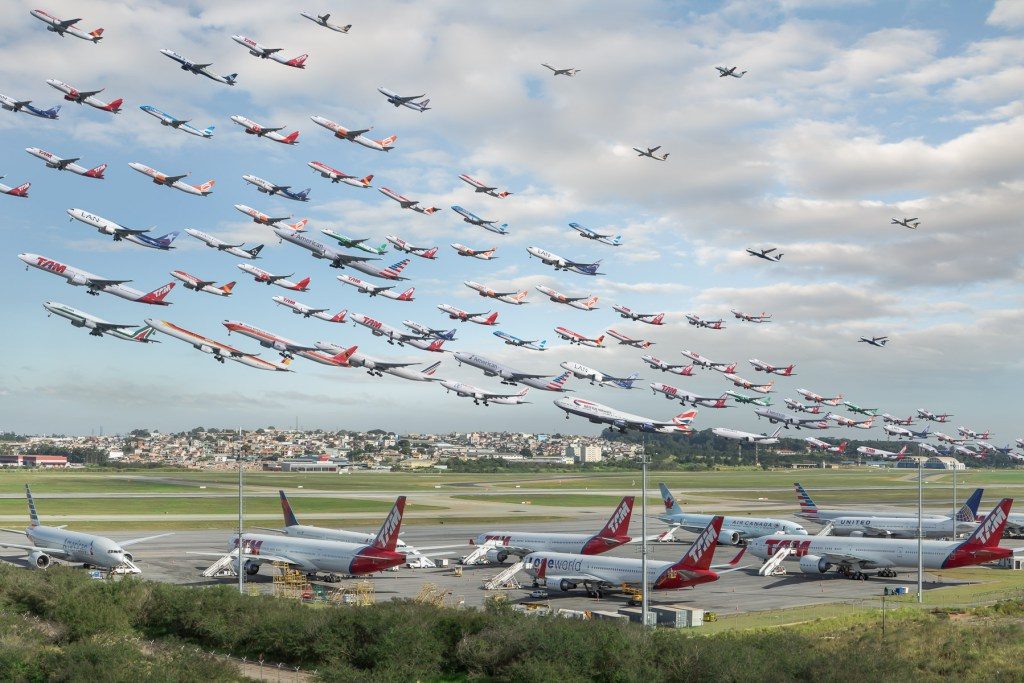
52	111
397	268
286	508
298	227
407	294
618	524
114	106
228	287
302	284
436	345
491	319
589	303
988	533
902	451
207	187
423	105
255	250
166	240
807	505
96	172
365	181
504	194
298	62
671	504
787	371
304	194
617	240
157	295
430	370
685	417
703	549
559	382
20	190
387	536
33	516
340	317
969	511
730	369
658	319
519	296
542	344
343	357
291	137
97	35
231	78
430	253
599	340
208	131
842	447
388	141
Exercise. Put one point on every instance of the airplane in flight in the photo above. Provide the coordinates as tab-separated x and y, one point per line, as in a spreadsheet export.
482	396
747	384
337	176
763	318
501	544
261	275
903	432
220	245
560	263
849	422
375	367
851	557
375	290
761	366
882	453
532	344
875	341
479	186
176	123
482	254
98	326
119	232
54	161
658	364
356	136
950	439
734	531
95	284
891	419
491	368
787	421
729	71
753	400
174	181
911	223
197	285
319	250
765	254
352	243
409	102
11	104
200	69
402	245
674	393
286	347
630	314
747	437
264	219
582	303
933	417
697	321
487	318
392	272
216	349
599	413
854	408
66	26
811	396
516	298
611	241
430	332
701	361
562	72
596	377
322	20
57	542
407	203
308	311
381	329
971	434
270	133
650	153
73	94
263	52
577	338
802	408
473	219
269	188
629	341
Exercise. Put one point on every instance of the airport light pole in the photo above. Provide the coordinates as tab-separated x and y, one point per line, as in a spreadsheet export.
643	531
241	524
953	537
920	529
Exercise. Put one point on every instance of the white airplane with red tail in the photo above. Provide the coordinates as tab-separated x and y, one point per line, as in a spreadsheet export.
95	284
356	136
62	26
577	338
761	366
337	176
402	245
261	275
268	132
817	398
658	364
629	341
308	311
375	290
481	187
630	314
482	254
54	161
263	52
464	316
73	94
197	285
407	203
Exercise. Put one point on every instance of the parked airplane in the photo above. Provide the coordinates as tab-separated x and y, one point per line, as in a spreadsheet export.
10	104
308	311
629	341
176	123
853	407
811	396
501	544
119	232
200	69
729	71
356	136
482	396
532	344
487	318
747	384
765	254
911	223
747	437
684	397
270	133
596	377
492	368
629	314
479	186
337	176
754	400
62	26
819	445
95	284
374	290
264	219
269	188
650	153
890	419
516	298
577	338
319	250
482	254
761	366
933	417
611	241
54	161
354	243
658	364
697	321
197	285
218	350
583	303
286	347
875	341
261	275
174	181
763	318
617	419
701	361
808	510
321	20
220	245
402	245
787	421
882	453
734	531
562	72
848	422
263	52
801	408
407	203
98	326
405	101
473	219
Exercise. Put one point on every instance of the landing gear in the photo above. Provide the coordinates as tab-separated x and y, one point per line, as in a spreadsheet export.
887	573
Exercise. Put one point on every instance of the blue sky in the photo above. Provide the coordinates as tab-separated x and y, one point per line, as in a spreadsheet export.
851	112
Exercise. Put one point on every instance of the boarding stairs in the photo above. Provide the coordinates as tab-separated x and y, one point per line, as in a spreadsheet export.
773	565
417	559
479	552
667	536
225	566
505	579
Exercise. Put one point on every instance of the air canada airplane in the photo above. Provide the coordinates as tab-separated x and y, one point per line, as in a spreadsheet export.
765	254
562	72
62	26
98	326
322	20
599	413
729	71
408	101
734	531
650	153
911	223
875	341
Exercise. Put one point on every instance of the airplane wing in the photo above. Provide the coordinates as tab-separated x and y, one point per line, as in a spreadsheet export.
300	347
223	246
88	93
264	131
500	294
69	22
104	327
526	375
66	162
654	149
357	133
403	100
56	552
202	66
850	558
261	558
105	283
133	541
129	231
349	258
768	251
171	179
271	50
389	364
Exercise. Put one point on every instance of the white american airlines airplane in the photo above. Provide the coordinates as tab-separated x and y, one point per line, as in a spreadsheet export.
94	283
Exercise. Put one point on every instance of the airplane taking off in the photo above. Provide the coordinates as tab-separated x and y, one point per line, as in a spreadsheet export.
200	69
321	20
727	368
354	243
761	366
322	251
253	128
853	407
308	311
596	377
881	453
62	26
734	531
430	332
673	393
583	303
492	368
261	275
562	72
286	347
119	232
216	349
630	314
337	176
98	326
971	434
848	422
516	298
753	400
264	219
269	188
729	71
897	430
747	437
356	136
407	203
697	321
473	219
787	421
747	384
875	341
263	52
482	396
928	415
54	161
615	241
765	254
950	439
175	123
56	542
11	104
626	340
374	290
650	153
801	408
911	223
463	316
94	284
560	263
195	284
763	318
599	413
658	364
577	338
811	396
481	187
374	367
219	245
890	419
174	180
405	101
402	245
511	340
482	254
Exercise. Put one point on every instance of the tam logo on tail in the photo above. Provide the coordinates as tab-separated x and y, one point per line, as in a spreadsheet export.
115	106
407	294
20	190
387	537
302	285
620	518
96	172
299	62
157	295
703	549
340	318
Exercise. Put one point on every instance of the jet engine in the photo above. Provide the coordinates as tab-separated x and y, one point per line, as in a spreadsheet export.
812	564
564	585
729	537
39	559
79	280
498	556
251	568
